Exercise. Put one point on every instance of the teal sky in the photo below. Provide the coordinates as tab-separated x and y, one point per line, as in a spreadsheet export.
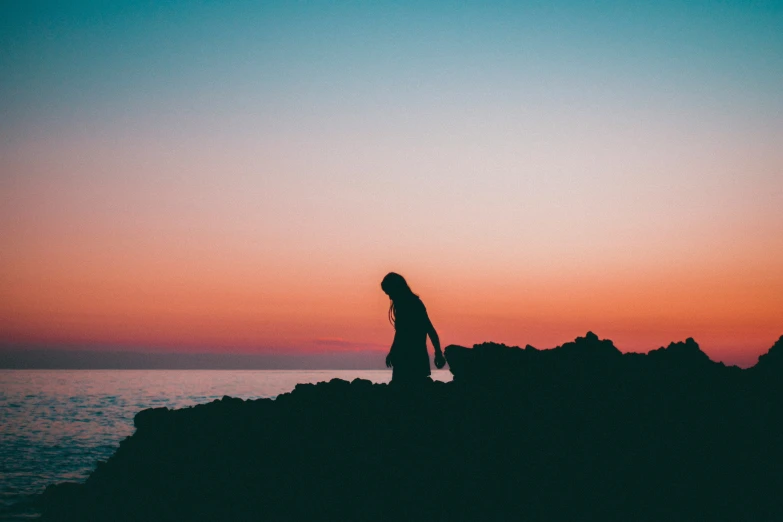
297	63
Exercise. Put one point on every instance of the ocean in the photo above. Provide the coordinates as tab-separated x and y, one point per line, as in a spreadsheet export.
55	425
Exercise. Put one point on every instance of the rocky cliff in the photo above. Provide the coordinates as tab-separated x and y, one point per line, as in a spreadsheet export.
579	432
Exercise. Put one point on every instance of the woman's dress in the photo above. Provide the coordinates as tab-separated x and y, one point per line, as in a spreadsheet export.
410	360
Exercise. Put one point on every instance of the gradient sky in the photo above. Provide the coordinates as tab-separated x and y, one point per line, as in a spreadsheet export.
239	176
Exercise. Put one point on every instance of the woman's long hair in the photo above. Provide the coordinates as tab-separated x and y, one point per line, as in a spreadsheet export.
397	288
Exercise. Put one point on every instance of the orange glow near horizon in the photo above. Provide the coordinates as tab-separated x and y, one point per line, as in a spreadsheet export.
195	297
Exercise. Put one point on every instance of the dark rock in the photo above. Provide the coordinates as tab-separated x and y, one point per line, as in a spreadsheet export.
772	361
687	354
149	417
578	432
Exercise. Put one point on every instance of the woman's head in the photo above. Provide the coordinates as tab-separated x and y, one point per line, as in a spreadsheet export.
395	286
398	291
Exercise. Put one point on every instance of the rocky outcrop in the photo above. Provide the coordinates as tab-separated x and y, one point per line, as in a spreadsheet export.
586	357
579	432
771	363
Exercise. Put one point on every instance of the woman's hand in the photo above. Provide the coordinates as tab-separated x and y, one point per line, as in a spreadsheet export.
389	361
440	361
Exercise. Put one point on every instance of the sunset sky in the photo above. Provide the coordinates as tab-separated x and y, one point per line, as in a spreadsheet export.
239	176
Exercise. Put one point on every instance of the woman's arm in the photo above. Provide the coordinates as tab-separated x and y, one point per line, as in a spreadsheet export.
434	337
440	361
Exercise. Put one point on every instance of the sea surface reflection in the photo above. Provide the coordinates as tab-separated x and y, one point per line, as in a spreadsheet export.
55	425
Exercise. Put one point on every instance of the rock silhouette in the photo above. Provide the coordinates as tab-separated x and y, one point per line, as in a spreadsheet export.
771	363
579	432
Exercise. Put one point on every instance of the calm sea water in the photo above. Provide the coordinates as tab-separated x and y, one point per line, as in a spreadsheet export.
56	424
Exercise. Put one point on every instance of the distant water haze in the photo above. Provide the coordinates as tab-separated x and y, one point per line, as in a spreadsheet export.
123	359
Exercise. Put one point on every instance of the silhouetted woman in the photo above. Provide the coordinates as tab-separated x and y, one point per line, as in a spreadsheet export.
408	355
